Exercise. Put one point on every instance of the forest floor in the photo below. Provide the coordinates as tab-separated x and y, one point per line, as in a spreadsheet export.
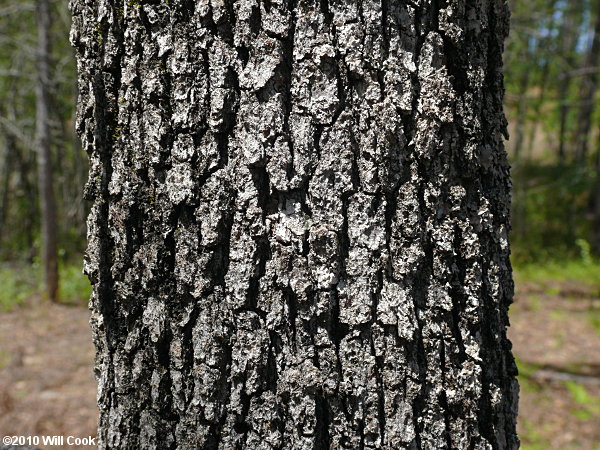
555	331
47	385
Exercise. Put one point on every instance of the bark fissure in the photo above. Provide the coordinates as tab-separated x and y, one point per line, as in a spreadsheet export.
299	231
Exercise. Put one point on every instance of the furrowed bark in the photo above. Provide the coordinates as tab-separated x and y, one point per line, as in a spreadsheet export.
299	230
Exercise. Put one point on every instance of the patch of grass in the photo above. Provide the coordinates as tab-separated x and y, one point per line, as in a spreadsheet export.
559	339
18	282
535	303
74	287
589	405
16	285
526	370
559	315
531	437
594	319
4	359
553	290
583	271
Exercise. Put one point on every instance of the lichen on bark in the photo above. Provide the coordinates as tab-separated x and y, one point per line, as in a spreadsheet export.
298	236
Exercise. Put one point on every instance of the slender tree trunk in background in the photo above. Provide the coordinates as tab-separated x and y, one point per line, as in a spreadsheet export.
596	198
569	41
300	220
10	155
9	149
27	186
596	203
542	85
589	84
538	103
564	112
521	119
43	147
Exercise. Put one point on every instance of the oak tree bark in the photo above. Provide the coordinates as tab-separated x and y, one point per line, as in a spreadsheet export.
299	230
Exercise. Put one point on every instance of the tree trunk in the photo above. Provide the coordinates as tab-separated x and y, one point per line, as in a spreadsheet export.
299	230
542	84
9	150
589	84
27	187
595	200
569	37
521	119
44	156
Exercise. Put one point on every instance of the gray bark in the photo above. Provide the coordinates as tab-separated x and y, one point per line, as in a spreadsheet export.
44	155
299	230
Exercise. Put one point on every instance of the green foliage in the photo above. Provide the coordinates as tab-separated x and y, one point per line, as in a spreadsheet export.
16	286
74	288
20	282
550	213
585	251
19	212
547	57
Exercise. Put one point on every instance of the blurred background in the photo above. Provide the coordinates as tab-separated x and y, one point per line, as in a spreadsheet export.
553	107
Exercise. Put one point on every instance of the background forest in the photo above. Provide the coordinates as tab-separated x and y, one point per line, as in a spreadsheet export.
552	65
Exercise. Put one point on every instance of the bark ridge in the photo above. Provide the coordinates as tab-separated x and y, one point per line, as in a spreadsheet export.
298	236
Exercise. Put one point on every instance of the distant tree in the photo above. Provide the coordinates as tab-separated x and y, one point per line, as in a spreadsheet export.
44	152
19	142
568	35
589	86
9	145
299	235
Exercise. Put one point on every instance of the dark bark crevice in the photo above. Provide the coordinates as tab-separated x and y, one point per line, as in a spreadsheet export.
290	213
